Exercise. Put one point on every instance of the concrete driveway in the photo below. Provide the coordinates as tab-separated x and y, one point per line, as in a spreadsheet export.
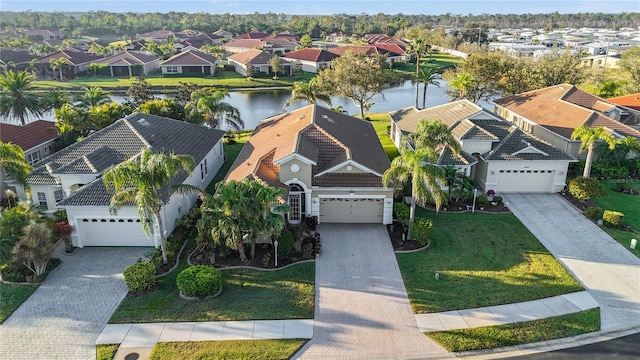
362	310
64	316
605	268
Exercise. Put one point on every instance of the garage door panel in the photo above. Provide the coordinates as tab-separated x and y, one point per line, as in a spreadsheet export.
339	210
525	181
112	232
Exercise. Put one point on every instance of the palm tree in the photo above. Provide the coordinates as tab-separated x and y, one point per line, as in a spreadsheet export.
462	82
266	211
429	76
93	96
417	47
55	98
589	137
432	135
35	247
14	164
139	180
206	106
307	91
59	64
417	166
17	100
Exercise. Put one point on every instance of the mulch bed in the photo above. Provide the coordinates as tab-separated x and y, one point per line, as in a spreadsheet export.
581	205
263	258
395	233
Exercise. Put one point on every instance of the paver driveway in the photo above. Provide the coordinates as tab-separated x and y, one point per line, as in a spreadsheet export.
606	269
64	316
362	309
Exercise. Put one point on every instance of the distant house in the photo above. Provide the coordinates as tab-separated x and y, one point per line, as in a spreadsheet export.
189	62
223	33
385	39
631	108
208	38
259	60
312	60
71	179
159	36
43	34
253	35
371	50
554	112
77	60
19	59
131	63
35	138
496	154
330	164
238	46
274	45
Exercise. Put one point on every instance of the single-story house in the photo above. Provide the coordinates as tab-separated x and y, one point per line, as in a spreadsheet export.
259	60
159	36
19	59
554	112
630	105
253	35
370	50
330	164
77	60
312	60
496	154
385	39
208	38
189	62
35	138
130	63
71	179
238	46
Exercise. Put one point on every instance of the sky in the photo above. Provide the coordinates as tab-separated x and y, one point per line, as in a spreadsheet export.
327	7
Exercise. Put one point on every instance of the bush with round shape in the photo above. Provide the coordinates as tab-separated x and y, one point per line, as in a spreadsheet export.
594	213
140	277
285	243
583	188
421	230
613	218
199	281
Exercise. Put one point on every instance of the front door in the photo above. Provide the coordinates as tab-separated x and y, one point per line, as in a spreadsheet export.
296	202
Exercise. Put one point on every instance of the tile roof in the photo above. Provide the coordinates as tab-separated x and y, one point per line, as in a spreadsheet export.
407	119
29	135
347	180
631	101
74	57
244	43
129	58
355	50
446	157
120	141
323	136
191	57
16	56
253	35
254	55
562	109
314	55
467	130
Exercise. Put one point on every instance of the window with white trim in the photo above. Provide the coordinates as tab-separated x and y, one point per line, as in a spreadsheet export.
58	195
33	158
42	200
172	69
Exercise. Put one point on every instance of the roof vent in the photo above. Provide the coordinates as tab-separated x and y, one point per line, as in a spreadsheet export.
143	122
325	116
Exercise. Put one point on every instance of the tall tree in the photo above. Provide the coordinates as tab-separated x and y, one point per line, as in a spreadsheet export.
275	63
428	76
432	135
589	137
139	181
417	166
356	77
305	41
54	99
462	83
139	91
417	48
59	64
307	91
630	64
93	96
17	98
13	163
207	106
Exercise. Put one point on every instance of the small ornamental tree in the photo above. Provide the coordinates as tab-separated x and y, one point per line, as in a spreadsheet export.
584	188
63	231
35	248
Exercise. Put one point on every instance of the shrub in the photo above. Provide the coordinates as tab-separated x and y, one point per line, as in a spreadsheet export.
613	218
402	212
621	187
594	213
285	243
200	281
497	199
583	188
421	230
140	277
482	200
603	171
35	247
311	222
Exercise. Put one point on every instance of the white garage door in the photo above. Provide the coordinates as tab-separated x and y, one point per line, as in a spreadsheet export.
112	232
525	181
351	211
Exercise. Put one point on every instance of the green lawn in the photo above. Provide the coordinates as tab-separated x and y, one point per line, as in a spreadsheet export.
237	349
381	123
483	260
519	333
246	295
231	153
627	204
624	238
106	352
12	296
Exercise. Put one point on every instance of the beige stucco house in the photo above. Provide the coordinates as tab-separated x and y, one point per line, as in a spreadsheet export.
331	165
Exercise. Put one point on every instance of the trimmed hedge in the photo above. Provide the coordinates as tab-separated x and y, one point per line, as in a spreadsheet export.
140	277
199	280
613	218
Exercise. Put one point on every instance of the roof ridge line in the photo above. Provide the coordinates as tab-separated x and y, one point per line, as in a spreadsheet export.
130	125
514	129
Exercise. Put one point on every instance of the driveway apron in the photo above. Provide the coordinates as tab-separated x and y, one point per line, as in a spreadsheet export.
64	316
605	268
362	309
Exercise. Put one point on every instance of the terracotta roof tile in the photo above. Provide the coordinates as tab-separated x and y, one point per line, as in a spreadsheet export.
631	101
254	55
407	119
29	135
191	57
314	55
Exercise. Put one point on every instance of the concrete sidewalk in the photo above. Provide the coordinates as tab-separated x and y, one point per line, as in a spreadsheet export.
507	314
